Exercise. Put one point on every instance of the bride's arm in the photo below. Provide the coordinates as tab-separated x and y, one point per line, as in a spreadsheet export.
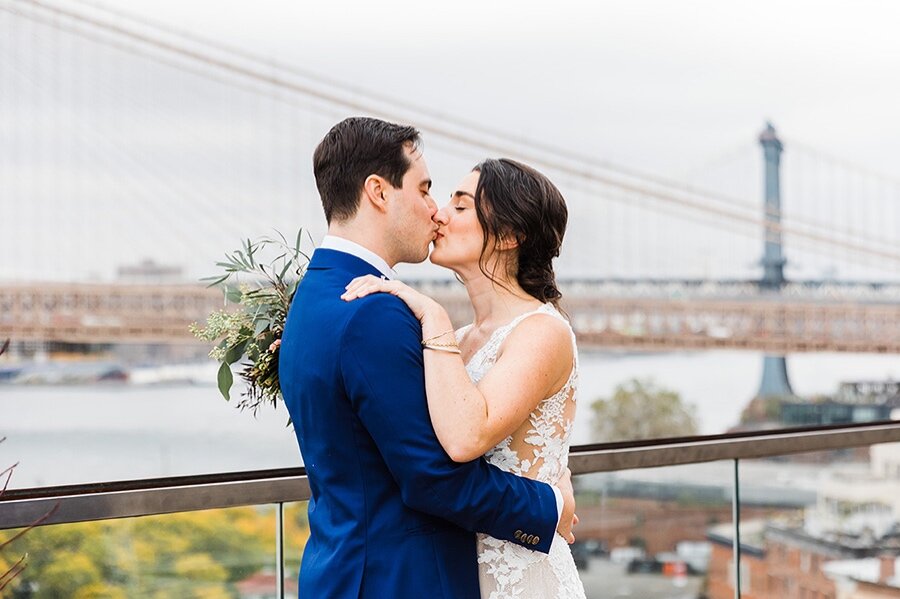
469	419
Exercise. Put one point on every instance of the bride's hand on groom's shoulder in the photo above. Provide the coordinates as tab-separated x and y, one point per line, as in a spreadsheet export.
359	287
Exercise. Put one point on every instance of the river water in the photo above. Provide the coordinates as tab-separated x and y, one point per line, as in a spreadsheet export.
61	435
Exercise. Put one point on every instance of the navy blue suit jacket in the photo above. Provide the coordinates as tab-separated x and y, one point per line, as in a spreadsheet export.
391	514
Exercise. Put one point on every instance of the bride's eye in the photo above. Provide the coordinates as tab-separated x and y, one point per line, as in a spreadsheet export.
459	208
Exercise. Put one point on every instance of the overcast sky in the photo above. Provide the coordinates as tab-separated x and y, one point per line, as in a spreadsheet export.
655	84
670	88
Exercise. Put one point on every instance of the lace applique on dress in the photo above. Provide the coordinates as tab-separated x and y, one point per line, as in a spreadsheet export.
539	449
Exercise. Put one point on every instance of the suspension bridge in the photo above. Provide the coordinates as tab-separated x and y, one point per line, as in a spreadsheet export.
125	140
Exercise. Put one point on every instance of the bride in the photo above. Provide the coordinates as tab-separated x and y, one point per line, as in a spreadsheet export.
504	386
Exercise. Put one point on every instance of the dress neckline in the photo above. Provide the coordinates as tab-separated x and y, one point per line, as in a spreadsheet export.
504	327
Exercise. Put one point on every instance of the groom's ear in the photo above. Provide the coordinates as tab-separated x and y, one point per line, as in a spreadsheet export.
374	189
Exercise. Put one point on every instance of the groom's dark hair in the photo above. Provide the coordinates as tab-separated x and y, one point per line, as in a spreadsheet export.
354	149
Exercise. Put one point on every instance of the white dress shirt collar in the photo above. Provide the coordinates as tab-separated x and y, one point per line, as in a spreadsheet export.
333	242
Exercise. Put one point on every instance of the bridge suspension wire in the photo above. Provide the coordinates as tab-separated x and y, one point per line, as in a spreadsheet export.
580	167
809	241
507	145
147	181
862	202
460	122
160	190
397	103
584	171
165	191
516	141
844	163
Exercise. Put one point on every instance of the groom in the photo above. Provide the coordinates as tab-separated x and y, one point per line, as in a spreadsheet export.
390	515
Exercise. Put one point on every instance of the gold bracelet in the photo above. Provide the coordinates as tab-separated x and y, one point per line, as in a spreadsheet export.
430	339
445	348
438	344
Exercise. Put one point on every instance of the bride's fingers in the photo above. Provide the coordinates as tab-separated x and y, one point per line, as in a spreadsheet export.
356	286
363	286
354	291
359	291
360	281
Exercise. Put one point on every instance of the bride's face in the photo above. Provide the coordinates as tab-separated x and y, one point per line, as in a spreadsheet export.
460	238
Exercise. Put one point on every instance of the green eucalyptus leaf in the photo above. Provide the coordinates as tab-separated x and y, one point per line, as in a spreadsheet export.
284	270
265	340
261	325
235	352
225	379
251	248
233	295
215	280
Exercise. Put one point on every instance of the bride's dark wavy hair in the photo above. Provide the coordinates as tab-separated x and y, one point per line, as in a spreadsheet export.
515	200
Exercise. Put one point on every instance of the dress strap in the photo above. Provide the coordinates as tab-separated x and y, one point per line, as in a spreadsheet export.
489	350
543	309
462	331
548	309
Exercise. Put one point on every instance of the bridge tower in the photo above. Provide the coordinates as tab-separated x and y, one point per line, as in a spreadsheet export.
775	381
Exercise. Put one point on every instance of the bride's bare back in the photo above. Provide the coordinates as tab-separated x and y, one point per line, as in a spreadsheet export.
537	449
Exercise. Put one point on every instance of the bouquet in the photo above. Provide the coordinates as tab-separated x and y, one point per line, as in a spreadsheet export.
251	325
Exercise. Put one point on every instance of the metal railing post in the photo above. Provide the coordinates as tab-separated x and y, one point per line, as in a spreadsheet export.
736	519
279	550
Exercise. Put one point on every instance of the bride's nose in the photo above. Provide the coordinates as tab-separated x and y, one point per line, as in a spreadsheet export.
441	216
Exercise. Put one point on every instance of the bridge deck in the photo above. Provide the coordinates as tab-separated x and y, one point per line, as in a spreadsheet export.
103	313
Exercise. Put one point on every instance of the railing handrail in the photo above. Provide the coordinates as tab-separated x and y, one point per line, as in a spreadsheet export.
144	497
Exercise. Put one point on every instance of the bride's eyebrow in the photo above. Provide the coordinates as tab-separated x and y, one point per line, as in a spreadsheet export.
459	193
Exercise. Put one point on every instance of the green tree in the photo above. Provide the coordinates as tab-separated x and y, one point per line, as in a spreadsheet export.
70	570
639	409
99	590
194	555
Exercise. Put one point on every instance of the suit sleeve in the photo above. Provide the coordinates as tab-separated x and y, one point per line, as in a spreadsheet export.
383	372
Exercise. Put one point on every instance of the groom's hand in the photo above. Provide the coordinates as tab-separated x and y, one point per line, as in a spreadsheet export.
568	519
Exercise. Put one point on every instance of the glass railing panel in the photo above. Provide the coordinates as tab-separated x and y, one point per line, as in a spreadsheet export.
651	533
624	396
296	533
201	554
71	434
820	524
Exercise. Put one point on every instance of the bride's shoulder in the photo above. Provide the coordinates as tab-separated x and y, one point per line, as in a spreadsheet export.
545	331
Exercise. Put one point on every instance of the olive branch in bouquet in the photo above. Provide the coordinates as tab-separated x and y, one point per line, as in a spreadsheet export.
251	330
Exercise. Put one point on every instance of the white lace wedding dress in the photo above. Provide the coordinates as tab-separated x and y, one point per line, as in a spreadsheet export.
539	449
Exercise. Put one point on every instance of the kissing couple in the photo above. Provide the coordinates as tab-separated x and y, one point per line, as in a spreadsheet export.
437	458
